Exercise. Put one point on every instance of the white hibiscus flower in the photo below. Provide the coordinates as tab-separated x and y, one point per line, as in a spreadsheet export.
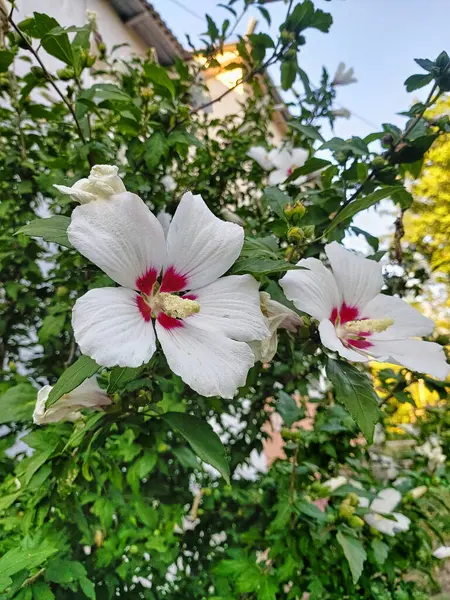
102	183
261	156
203	333
343	76
169	183
355	319
285	162
442	552
87	395
382	516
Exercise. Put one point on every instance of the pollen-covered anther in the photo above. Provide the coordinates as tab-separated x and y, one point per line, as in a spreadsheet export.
177	307
368	326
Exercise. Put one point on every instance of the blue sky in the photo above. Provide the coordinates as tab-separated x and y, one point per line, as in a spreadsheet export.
378	38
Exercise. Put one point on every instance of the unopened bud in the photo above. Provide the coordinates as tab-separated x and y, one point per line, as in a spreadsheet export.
99	538
346	511
289	435
356	522
62	291
295	234
418	492
379	162
353	499
66	73
289	254
309	231
295	211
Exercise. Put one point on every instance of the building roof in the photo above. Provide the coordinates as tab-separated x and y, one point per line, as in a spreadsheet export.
142	18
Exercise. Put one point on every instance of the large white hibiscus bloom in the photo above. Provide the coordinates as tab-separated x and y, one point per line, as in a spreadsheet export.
87	395
202	332
355	319
382	516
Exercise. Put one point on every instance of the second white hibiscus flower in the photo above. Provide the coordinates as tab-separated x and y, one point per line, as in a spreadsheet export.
202	332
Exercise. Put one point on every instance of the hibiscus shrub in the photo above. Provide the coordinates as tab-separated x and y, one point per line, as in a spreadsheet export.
178	306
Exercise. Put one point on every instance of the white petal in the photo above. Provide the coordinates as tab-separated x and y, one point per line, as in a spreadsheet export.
122	237
299	157
200	247
402	522
380	523
231	307
41	400
80	191
212	365
358	279
279	315
281	159
363	502
110	328
442	552
386	501
330	340
261	156
89	395
165	219
408	322
278	176
335	482
313	289
416	355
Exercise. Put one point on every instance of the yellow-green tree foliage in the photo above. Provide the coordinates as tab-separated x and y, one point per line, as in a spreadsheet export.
427	223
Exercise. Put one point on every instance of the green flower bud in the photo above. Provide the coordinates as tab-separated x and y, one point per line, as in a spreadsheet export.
295	212
296	234
62	291
66	73
353	499
134	549
379	162
356	522
346	511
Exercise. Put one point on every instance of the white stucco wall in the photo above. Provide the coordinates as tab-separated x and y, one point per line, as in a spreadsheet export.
73	12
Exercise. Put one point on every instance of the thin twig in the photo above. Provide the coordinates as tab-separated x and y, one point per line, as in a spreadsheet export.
49	78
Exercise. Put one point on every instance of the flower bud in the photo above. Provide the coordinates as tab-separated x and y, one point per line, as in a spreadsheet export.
346	511
134	549
356	522
295	212
62	291
379	162
418	492
295	234
99	538
66	73
353	499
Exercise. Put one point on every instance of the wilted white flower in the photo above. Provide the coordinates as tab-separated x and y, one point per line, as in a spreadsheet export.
169	183
203	332
335	482
418	492
91	17
87	395
343	76
102	183
277	316
261	156
355	319
231	216
382	516
442	552
341	112
379	436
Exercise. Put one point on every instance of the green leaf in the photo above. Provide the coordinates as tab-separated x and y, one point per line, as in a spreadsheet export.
88	588
288	73
425	63
44	444
355	391
39	25
59	46
417	81
155	149
51	327
51	229
354	553
262	266
17	403
41	591
202	439
120	376
276	200
82	369
6	58
288	409
361	204
310	510
310	166
26	556
267	589
159	75
64	571
380	551
308	131
186	457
